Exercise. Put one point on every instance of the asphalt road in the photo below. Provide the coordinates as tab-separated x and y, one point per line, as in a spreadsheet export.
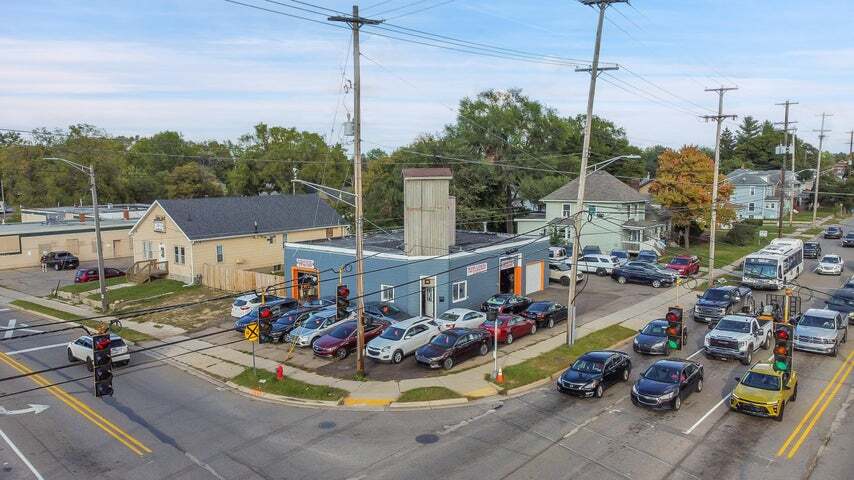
35	282
188	428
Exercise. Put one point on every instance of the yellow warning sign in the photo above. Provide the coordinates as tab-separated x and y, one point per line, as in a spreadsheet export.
251	332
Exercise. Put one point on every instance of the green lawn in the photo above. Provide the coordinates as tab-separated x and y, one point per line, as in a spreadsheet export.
702	282
126	333
85	287
560	358
726	253
141	291
288	387
806	216
425	394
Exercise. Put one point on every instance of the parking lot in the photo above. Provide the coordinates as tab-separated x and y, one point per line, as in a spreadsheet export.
35	282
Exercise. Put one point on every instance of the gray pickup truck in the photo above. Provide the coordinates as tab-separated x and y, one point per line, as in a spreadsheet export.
738	336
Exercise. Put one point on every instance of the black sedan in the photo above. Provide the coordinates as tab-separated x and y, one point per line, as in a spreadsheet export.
288	321
545	313
812	250
637	272
848	240
833	232
666	383
594	371
506	303
453	346
652	339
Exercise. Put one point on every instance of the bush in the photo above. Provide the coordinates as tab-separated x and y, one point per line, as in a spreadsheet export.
742	234
753	221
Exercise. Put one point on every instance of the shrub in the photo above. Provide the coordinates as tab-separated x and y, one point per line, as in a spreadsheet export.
753	221
741	234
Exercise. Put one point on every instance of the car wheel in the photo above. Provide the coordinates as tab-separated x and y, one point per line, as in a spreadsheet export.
621	280
656	283
341	353
533	328
564	281
509	339
677	402
89	365
311	344
483	349
794	393
749	358
599	391
448	363
551	323
71	358
601	272
626	374
779	416
699	385
397	356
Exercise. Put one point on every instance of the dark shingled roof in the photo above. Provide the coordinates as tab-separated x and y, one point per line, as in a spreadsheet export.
426	172
601	186
213	217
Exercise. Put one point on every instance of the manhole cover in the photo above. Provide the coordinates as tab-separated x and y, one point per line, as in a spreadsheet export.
326	425
427	438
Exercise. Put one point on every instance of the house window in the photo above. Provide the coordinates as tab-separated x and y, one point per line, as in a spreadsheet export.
459	291
752	191
567	210
147	252
387	293
180	259
751	207
219	254
772	205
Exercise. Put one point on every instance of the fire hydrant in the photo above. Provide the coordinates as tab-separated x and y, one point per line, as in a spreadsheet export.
280	373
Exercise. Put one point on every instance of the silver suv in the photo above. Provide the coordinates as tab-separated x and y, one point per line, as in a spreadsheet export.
821	331
402	338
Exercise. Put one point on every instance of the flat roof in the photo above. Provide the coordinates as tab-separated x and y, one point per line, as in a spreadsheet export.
108	208
44	228
392	241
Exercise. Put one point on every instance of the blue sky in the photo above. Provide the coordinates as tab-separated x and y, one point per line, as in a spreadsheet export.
211	69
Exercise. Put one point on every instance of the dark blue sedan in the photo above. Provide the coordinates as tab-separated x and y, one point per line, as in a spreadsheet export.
639	272
271	310
652	339
666	383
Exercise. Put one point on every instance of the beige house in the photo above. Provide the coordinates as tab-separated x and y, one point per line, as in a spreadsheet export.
241	232
23	244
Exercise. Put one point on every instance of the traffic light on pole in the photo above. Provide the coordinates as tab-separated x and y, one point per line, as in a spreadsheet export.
342	301
102	365
674	328
783	333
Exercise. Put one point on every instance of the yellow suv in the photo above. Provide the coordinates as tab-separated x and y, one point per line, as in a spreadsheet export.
764	392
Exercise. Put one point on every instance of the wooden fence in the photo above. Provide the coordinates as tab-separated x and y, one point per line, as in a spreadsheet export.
235	280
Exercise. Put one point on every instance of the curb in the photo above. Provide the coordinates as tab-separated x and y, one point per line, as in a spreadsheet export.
448	402
283	398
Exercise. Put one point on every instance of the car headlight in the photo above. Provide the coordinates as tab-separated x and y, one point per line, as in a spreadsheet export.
590	385
706	342
829	341
636	341
733	397
742	344
635	389
386	348
669	395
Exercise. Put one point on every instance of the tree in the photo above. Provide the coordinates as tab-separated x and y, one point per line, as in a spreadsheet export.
683	185
192	180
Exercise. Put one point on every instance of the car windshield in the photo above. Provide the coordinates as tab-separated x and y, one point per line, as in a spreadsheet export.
679	261
810	245
497	300
714	294
760	268
585	365
761	380
239	303
451	317
849	235
816	321
619	254
539	307
313	322
117	342
392	333
562	266
840	300
831	259
655	330
733	326
343	331
443	341
662	373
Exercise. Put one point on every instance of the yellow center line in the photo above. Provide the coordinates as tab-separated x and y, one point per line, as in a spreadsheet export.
814	405
81	408
818	415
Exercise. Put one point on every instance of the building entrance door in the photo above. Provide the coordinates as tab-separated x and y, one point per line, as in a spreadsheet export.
428	297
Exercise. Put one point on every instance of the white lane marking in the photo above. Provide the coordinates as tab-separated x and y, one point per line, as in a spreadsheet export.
4	309
693	354
204	465
21	456
452	428
688	432
13	325
10	328
34	349
34	409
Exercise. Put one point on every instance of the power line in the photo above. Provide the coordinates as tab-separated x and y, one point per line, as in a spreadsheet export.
424	9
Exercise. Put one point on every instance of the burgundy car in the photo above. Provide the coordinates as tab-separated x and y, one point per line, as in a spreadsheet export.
510	327
685	265
342	340
83	275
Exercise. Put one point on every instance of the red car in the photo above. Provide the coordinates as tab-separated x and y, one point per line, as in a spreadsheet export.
83	275
510	327
342	340
685	265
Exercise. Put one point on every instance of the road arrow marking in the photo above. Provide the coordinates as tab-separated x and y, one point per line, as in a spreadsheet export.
34	409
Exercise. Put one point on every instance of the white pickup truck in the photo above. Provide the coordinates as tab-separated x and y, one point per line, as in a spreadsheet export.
738	336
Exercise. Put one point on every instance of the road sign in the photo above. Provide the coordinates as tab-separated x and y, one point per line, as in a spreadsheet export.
251	332
763	233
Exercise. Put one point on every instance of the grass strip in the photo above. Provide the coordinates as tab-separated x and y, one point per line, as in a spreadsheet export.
126	333
141	291
85	287
289	387
426	394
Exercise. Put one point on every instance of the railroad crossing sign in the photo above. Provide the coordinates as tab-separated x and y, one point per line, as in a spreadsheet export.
251	332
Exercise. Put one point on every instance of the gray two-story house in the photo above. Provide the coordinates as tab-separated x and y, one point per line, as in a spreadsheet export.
617	216
756	193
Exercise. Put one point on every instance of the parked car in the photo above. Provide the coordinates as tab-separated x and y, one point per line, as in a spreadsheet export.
80	350
557	254
738	336
848	239
453	346
830	265
60	260
316	325
592	372
763	392
545	313
319	302
833	232
652	338
341	340
821	331
271	310
509	327
649	256
591	250
386	311
716	302
638	272
402	338
560	272
655	266
460	318
506	303
666	383
290	320
685	265
812	250
83	275
599	264
246	303
842	301
622	256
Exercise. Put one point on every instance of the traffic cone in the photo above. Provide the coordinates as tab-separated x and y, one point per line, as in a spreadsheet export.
499	379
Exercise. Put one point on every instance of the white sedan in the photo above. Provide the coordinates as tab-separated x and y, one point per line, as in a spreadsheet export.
830	265
244	304
460	318
80	350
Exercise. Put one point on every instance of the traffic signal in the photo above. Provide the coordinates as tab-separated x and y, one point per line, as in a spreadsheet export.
342	301
674	328
102	365
783	333
265	324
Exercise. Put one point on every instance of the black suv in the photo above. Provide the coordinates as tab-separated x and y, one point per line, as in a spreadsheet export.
848	240
812	250
842	301
833	232
60	260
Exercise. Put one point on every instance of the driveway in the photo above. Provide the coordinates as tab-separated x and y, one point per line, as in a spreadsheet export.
35	282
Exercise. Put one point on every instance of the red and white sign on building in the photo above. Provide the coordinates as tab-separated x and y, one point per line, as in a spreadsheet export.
305	263
475	269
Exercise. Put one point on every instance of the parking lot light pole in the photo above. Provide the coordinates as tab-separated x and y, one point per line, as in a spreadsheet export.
90	170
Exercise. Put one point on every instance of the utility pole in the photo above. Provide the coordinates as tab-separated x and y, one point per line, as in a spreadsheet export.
850	151
787	103
356	22
585	155
3	199
821	136
792	191
719	119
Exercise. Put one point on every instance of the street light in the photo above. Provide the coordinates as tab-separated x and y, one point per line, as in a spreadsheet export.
90	170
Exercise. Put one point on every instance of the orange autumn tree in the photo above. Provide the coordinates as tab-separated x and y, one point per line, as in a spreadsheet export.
683	184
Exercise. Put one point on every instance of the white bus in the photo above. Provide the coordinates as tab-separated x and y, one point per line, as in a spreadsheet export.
780	262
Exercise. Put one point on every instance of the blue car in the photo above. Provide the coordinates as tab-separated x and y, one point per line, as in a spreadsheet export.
319	302
290	320
275	308
648	256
